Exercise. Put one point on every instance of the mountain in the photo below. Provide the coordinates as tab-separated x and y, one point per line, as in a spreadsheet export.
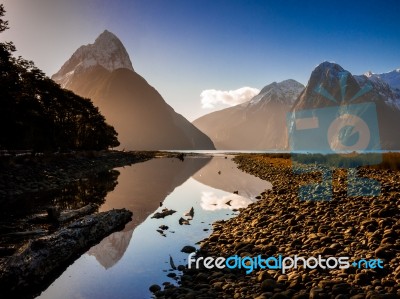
386	84
392	78
148	184
103	72
332	86
259	124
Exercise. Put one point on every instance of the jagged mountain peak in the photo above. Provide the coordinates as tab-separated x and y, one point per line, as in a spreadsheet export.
332	88
329	85
286	92
369	74
103	72
107	51
327	70
258	124
387	85
326	74
391	78
106	36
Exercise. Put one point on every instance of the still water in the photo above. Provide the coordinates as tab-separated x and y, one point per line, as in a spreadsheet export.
126	263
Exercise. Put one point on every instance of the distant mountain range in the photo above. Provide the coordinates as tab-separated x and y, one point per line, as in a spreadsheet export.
103	72
392	78
332	86
261	123
386	84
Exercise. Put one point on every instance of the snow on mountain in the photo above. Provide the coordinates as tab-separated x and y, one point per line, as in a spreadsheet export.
258	124
285	92
331	86
391	78
107	51
386	85
103	72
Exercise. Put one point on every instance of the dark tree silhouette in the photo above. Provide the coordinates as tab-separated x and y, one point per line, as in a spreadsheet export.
37	114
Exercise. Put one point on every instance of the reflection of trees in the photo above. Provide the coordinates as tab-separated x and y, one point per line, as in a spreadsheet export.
89	190
72	196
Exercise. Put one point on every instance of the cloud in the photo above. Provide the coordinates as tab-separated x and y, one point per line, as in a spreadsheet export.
212	97
211	202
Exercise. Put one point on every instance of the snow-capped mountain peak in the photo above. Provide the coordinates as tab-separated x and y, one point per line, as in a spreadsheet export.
369	74
387	85
107	51
391	78
285	92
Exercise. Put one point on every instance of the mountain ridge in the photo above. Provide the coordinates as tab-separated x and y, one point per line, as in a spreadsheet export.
106	51
142	118
329	85
257	124
391	78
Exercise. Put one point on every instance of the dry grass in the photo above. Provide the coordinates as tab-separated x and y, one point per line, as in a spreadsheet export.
389	160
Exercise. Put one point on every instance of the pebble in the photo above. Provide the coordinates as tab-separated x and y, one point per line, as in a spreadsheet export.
154	288
280	223
188	249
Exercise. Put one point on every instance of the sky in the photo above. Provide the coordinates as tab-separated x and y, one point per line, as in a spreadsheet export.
206	55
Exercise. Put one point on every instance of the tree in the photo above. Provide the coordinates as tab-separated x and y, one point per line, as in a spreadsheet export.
3	24
36	113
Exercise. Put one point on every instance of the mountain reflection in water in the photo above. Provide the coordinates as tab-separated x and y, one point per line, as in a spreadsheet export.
126	263
141	189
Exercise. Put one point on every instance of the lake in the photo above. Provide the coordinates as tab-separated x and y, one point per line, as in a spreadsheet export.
126	263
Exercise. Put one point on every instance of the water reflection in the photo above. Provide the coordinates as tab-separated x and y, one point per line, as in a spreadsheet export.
141	189
126	263
77	194
221	173
84	191
109	251
72	196
211	202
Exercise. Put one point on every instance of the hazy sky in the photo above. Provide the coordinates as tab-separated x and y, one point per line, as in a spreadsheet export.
192	49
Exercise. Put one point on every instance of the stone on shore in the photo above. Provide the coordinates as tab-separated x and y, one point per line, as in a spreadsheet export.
39	259
280	223
188	249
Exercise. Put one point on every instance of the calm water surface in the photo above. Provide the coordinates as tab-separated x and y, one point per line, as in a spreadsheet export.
126	263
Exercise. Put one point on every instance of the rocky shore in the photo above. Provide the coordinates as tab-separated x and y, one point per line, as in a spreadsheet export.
279	223
48	215
36	264
27	174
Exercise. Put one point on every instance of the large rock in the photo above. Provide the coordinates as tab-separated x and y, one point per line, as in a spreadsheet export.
38	260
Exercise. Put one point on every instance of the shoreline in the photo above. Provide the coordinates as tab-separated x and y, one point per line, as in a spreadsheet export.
265	227
29	185
27	174
360	227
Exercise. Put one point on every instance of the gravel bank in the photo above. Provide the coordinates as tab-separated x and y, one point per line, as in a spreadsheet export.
357	227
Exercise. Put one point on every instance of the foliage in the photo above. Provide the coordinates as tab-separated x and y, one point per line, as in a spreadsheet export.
37	114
